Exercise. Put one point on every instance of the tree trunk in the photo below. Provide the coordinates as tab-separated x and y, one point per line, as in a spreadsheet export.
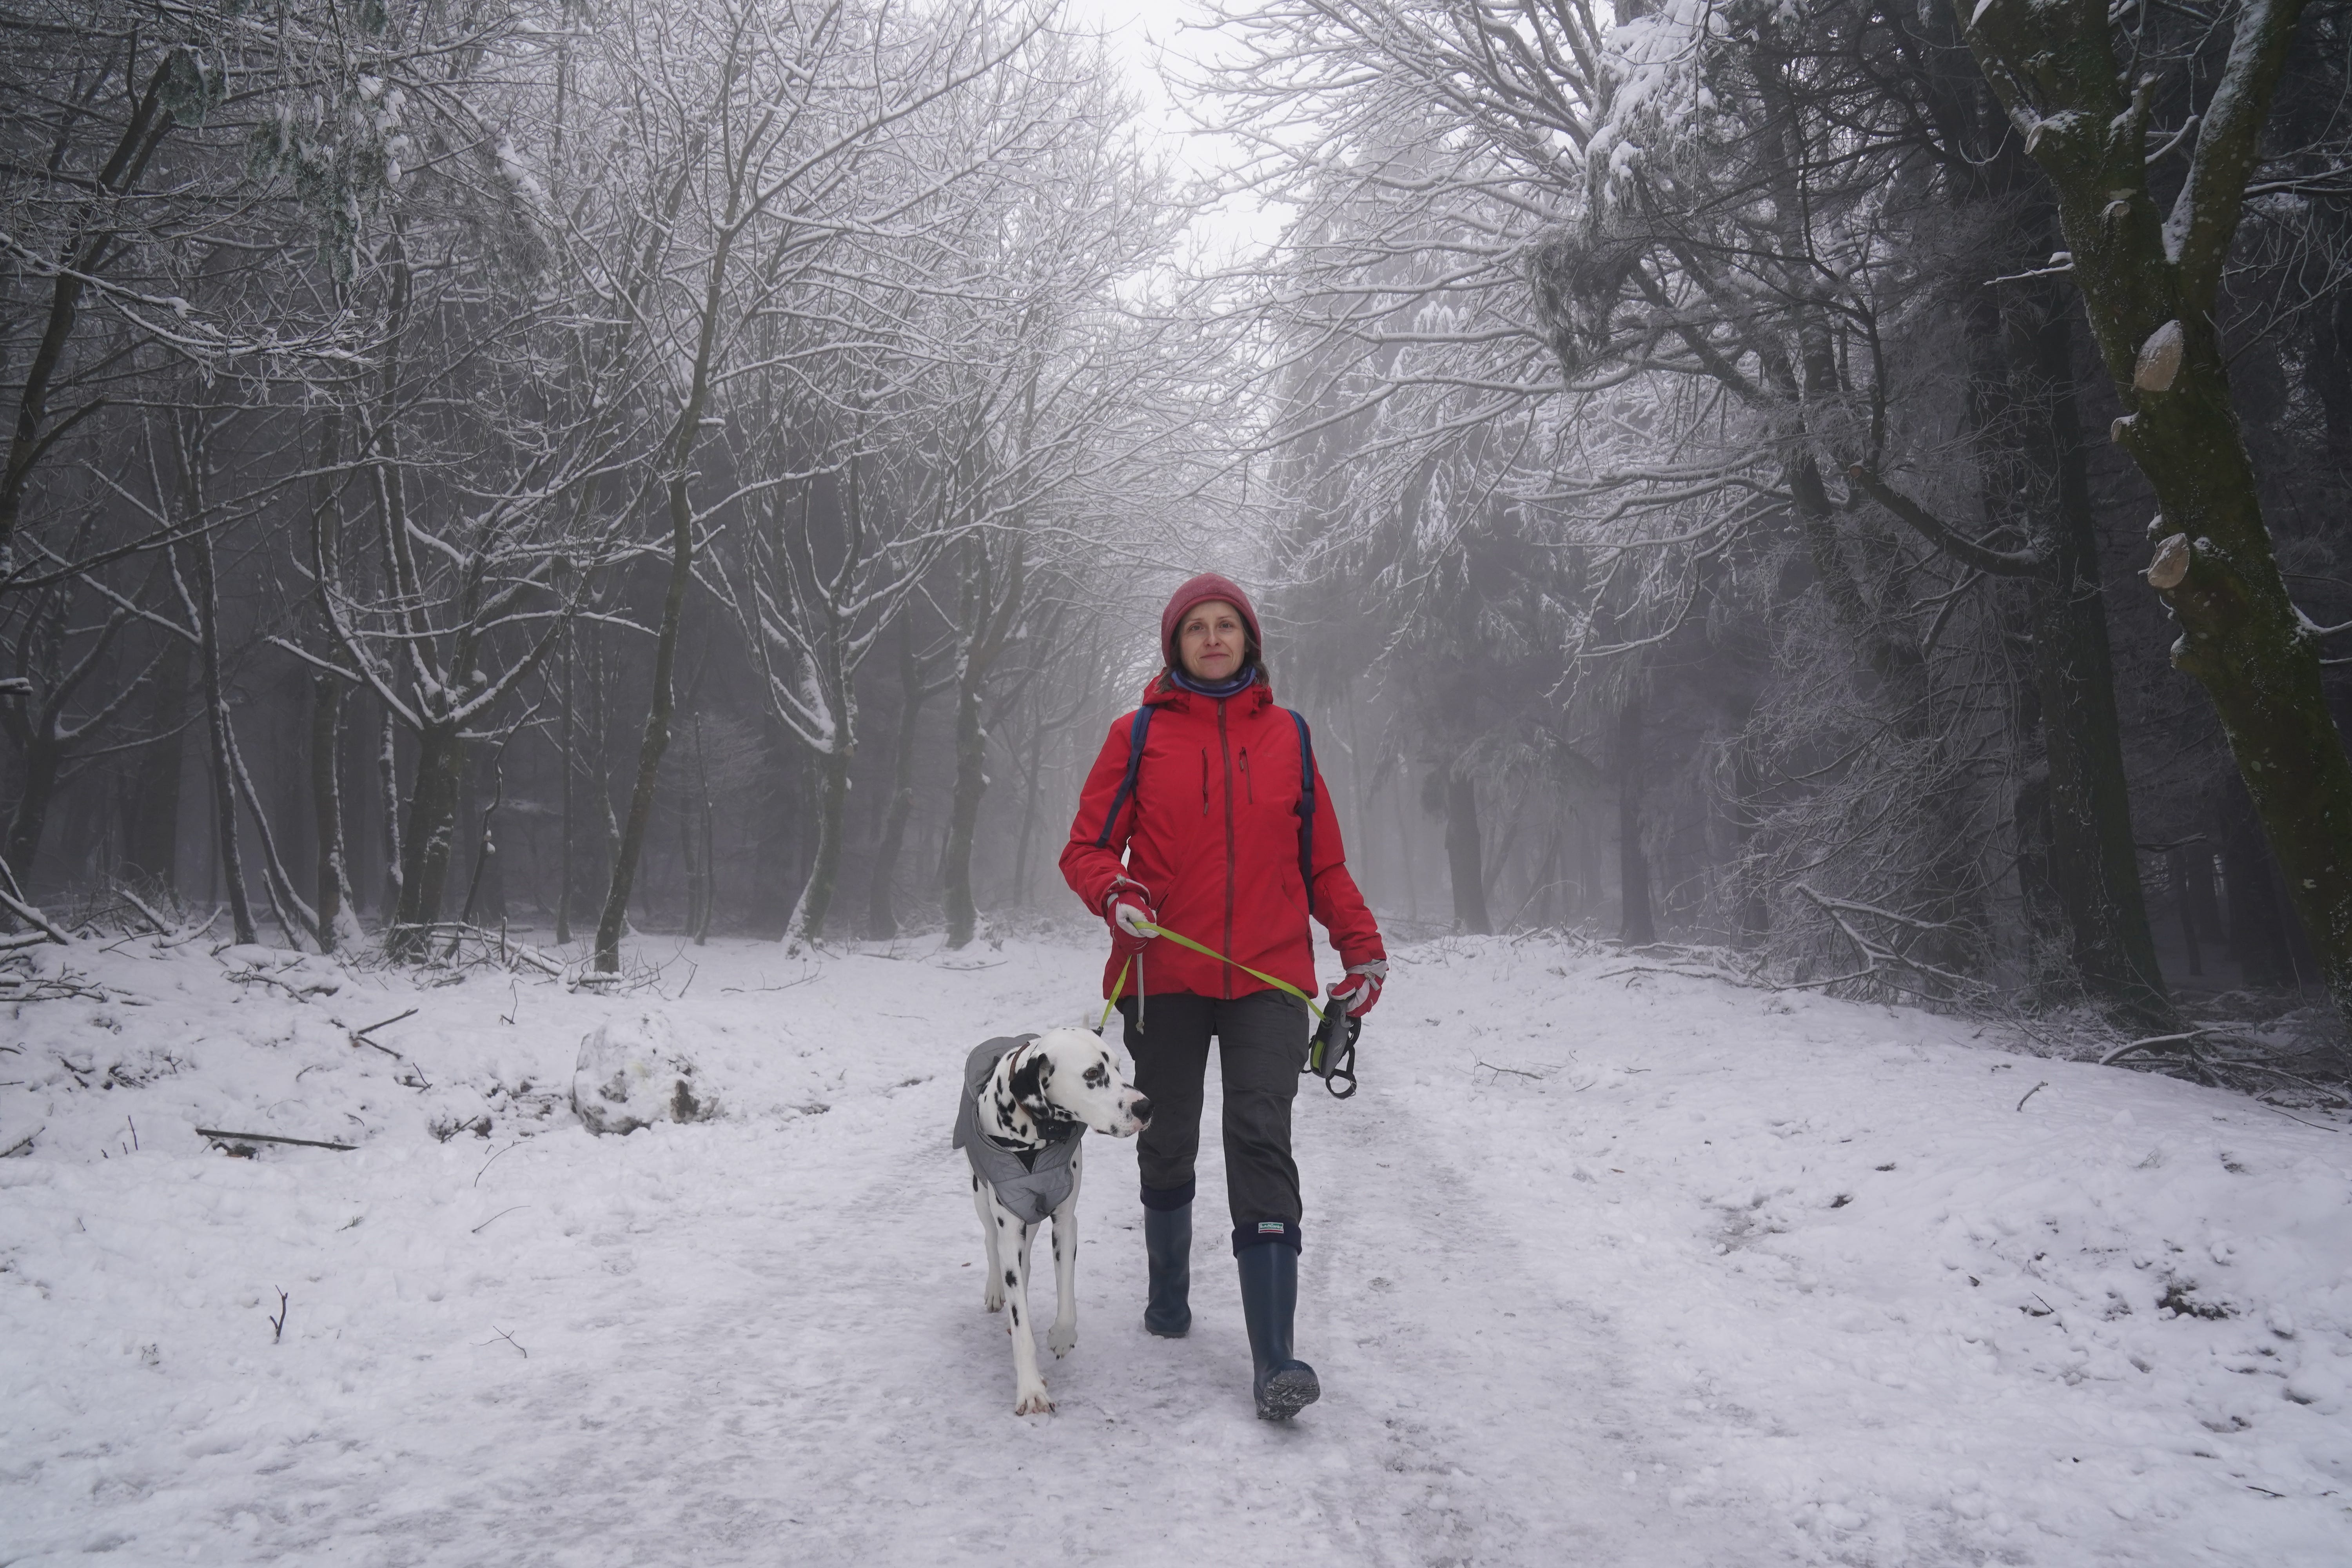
1635	926
232	862
701	831
2150	285
42	755
2094	863
991	600
696	875
1405	854
387	762
327	803
881	917
286	906
1755	907
2203	901
2257	944
565	766
658	710
2045	918
151	120
1032	786
656	739
1463	862
963	812
431	837
807	921
151	834
486	889
327	700
2179	867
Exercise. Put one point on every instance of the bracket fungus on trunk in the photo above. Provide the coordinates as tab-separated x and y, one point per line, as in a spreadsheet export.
2160	359
2171	562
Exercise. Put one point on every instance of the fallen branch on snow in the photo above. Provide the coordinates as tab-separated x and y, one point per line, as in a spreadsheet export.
32	917
217	1136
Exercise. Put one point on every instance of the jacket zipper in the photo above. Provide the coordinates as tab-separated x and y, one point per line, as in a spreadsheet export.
1225	751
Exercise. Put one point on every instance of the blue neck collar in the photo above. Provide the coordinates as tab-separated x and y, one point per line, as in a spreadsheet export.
1231	686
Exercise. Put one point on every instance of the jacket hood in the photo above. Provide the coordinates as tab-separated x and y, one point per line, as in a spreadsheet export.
1199	590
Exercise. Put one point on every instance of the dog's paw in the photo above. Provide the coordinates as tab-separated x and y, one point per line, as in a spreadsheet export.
993	1299
1031	1400
1062	1338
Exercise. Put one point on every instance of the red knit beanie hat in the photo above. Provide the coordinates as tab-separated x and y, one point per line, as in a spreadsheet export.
1199	590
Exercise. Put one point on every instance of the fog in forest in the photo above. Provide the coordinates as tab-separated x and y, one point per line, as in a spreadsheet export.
1818	488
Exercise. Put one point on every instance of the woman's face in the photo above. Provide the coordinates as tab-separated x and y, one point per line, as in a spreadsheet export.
1212	640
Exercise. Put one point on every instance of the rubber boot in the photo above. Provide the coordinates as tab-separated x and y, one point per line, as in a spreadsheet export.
1283	1385
1167	1247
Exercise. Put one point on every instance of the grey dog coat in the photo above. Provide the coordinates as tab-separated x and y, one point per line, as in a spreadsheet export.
1030	1182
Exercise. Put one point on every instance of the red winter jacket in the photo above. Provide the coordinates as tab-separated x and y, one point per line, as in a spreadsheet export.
1212	832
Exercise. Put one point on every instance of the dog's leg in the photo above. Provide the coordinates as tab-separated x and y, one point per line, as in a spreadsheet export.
1029	1397
992	1290
1063	1337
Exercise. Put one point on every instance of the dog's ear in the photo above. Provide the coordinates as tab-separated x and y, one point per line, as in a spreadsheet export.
1033	1071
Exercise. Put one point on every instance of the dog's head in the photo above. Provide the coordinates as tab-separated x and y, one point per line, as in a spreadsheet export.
1067	1075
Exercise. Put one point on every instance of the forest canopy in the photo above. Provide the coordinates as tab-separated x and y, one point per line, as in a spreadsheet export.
1842	485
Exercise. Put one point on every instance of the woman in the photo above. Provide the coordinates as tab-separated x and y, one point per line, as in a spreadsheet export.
1196	814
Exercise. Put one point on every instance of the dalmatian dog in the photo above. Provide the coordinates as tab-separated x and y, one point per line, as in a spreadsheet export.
1027	1101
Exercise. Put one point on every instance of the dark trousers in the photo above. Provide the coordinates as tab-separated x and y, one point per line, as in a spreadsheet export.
1261	1040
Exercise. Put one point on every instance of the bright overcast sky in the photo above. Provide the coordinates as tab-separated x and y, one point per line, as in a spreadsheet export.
1143	33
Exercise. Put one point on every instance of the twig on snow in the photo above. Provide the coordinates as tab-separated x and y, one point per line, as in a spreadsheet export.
359	1036
1661	969
494	1160
506	1336
217	1136
2029	1093
278	1324
500	1215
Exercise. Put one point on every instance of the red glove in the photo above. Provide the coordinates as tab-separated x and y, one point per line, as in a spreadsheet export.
1361	987
1126	908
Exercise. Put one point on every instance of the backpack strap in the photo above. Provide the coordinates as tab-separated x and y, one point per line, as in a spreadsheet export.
1306	807
1125	792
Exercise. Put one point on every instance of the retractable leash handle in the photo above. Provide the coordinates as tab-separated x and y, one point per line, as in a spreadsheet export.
1332	1056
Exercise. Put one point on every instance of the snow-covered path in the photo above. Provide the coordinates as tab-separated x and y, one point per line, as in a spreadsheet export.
1602	1268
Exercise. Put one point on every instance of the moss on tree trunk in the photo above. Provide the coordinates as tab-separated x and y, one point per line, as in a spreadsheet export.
2149	283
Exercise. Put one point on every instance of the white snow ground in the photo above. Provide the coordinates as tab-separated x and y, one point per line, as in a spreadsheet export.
1600	1271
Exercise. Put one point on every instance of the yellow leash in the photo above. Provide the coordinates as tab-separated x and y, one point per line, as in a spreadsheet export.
1109	1005
1181	940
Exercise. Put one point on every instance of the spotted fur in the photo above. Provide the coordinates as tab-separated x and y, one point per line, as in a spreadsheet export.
1062	1076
